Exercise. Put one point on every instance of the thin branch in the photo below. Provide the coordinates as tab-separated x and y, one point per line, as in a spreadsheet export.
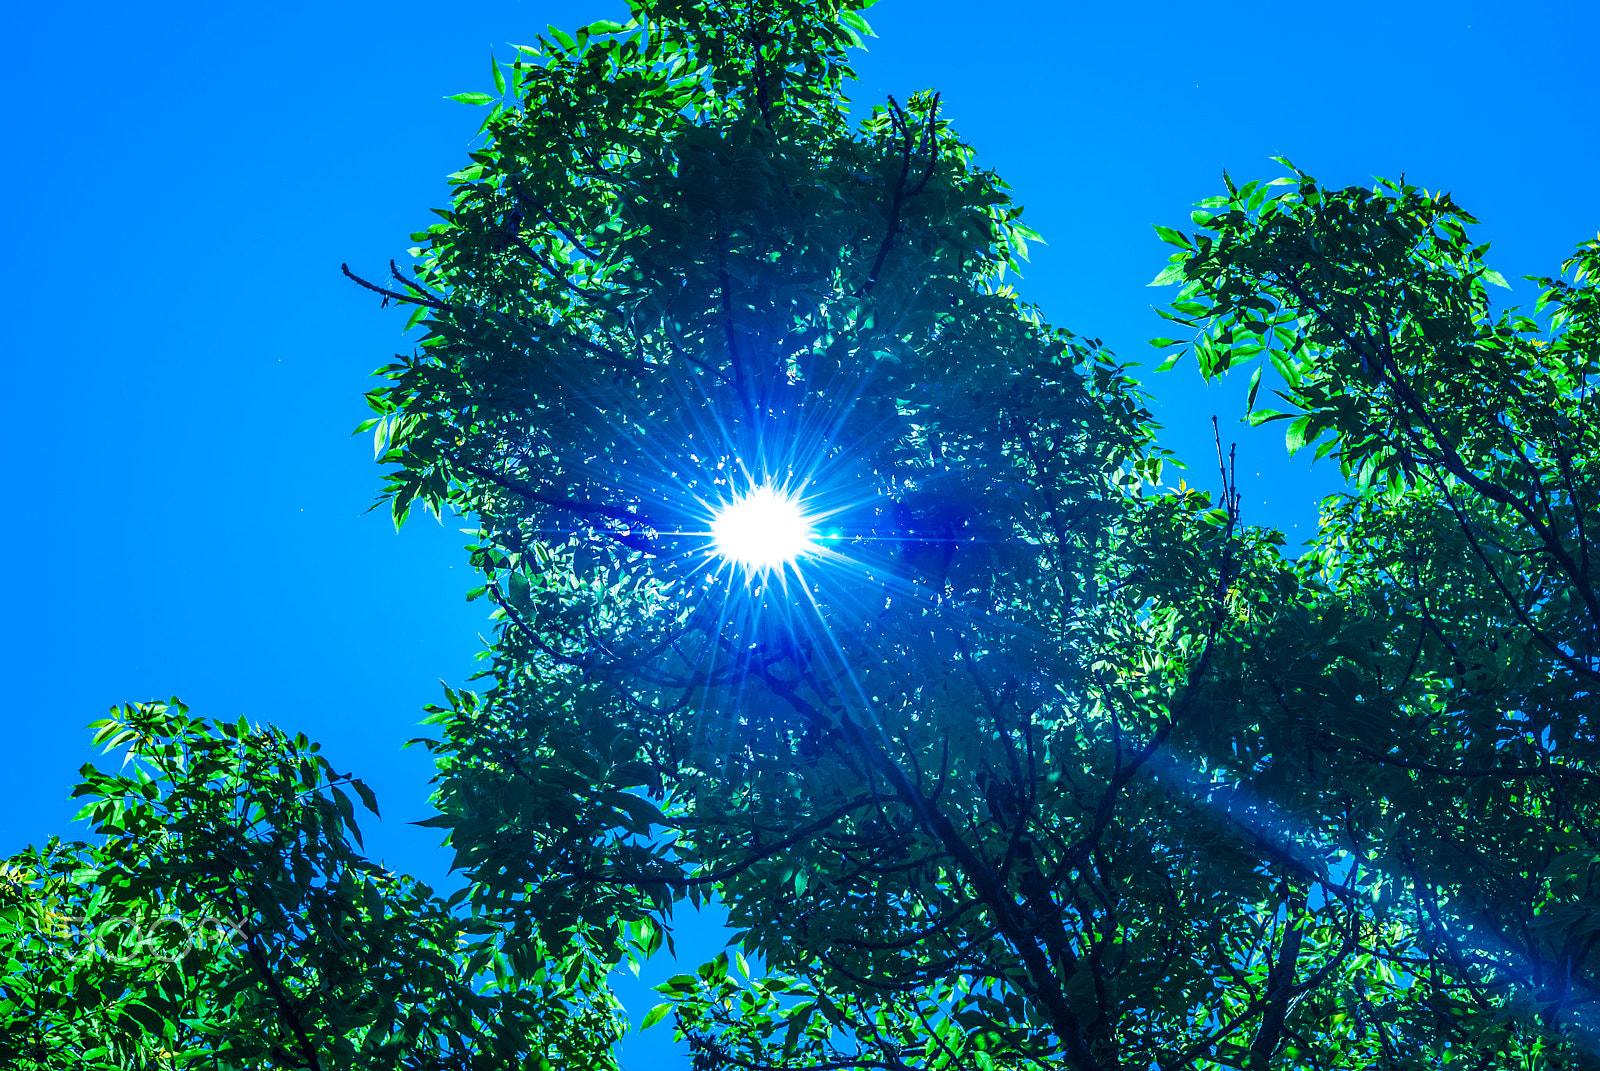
554	222
684	882
1570	661
902	126
393	294
532	493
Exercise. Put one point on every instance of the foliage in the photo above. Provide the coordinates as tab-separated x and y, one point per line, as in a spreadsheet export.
1033	761
223	919
1030	763
1457	586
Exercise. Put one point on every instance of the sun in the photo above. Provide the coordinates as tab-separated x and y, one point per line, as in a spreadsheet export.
763	530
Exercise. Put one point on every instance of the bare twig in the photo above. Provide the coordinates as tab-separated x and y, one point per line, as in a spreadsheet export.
393	294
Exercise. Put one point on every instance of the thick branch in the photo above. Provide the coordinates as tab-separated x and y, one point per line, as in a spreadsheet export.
285	1005
1280	983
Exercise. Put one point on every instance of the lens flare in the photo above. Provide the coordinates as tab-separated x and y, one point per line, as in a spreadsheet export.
762	530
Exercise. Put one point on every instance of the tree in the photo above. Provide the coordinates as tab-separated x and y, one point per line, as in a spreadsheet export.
224	919
1457	590
672	274
1030	763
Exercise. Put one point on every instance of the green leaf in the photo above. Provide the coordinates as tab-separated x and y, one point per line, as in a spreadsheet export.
499	75
854	20
1255	385
1298	434
368	800
655	1015
1287	367
1172	273
640	811
346	811
1173	237
563	38
471	98
679	983
799	1017
1496	278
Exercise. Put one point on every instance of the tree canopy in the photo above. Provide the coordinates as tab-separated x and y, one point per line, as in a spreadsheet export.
226	918
1029	760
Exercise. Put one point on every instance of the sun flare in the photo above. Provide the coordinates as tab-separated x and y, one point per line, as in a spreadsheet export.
763	529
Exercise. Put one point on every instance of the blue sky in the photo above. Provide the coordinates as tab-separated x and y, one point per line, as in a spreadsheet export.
184	360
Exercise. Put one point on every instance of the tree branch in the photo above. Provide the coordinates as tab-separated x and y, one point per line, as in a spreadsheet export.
393	294
902	126
532	493
286	1008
